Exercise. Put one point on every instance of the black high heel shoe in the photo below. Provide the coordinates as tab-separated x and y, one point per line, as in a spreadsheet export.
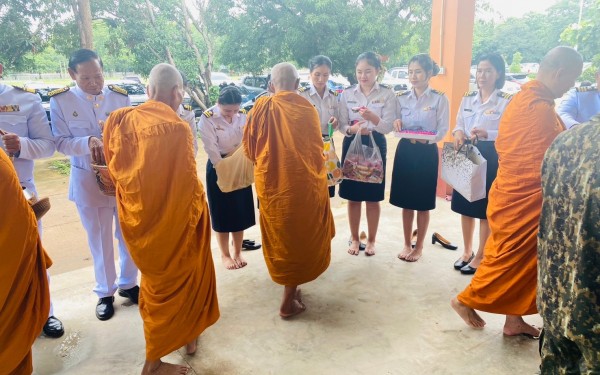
461	263
436	237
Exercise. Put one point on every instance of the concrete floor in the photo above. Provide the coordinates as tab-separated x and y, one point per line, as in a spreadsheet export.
365	315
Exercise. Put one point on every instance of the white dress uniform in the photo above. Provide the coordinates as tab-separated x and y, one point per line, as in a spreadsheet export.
187	114
414	177
233	211
327	106
474	113
21	113
483	115
381	101
76	116
580	104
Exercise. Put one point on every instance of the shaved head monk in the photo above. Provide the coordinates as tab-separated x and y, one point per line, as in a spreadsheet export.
24	296
164	218
283	139
506	281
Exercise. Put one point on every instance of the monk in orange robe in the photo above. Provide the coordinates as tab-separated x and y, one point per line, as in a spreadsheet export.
164	219
506	281
24	295
283	138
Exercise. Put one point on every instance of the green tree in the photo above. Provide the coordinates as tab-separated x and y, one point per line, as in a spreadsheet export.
515	66
260	33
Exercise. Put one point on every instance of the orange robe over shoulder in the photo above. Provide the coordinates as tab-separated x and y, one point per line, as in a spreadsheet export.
282	137
24	296
165	223
506	280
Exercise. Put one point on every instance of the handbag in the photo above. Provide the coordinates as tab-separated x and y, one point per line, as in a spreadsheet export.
235	171
465	170
332	163
363	163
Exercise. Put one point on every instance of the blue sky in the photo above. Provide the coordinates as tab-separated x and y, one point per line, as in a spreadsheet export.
516	8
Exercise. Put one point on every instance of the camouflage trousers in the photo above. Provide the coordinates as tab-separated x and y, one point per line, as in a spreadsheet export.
569	354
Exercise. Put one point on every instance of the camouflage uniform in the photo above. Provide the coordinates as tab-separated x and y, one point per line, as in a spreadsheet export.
569	252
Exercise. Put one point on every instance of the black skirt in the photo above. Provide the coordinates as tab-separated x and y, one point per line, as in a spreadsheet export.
364	191
478	208
229	212
415	175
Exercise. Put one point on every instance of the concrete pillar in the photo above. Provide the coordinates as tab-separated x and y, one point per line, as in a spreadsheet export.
451	47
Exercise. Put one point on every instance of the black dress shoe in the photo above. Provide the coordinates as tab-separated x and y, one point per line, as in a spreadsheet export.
436	237
249	242
131	293
104	308
53	328
250	246
468	270
461	263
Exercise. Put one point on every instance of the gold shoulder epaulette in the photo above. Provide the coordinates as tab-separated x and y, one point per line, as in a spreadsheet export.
118	90
58	91
470	93
243	111
302	88
402	93
208	113
586	89
505	95
187	107
386	86
26	89
437	92
333	92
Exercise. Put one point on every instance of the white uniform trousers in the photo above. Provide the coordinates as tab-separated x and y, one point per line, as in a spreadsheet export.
51	313
97	222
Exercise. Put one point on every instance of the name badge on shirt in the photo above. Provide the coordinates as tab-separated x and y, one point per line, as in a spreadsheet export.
425	109
377	101
10	108
491	112
467	110
351	101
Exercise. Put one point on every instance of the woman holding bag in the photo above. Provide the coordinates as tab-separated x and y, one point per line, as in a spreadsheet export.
323	99
367	108
478	119
415	173
221	128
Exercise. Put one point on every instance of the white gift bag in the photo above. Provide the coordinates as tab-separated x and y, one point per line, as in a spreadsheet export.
465	170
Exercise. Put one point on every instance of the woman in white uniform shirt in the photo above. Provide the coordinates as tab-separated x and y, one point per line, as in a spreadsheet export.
325	100
414	177
377	112
478	119
221	129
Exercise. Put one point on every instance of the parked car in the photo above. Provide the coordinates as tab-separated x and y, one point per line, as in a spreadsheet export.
218	78
520	78
137	91
254	81
43	89
397	84
249	93
250	103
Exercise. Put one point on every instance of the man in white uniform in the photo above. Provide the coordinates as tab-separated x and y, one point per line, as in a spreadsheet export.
78	115
26	137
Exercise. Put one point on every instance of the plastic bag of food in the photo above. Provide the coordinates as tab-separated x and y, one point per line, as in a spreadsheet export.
363	162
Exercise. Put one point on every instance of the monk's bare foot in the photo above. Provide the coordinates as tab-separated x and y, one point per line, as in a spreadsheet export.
404	253
163	368
190	348
229	263
516	326
467	314
414	255
353	250
294	308
239	261
370	249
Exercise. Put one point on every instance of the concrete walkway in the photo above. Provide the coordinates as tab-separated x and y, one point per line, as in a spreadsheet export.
365	315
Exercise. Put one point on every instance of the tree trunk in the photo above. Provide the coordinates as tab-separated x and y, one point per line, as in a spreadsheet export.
83	14
203	72
168	54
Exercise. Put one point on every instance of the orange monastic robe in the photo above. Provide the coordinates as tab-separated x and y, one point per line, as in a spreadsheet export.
506	280
24	296
283	138
165	223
